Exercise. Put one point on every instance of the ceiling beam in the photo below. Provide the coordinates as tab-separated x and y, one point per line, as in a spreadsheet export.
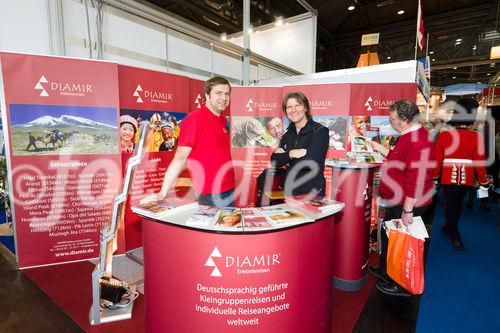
464	63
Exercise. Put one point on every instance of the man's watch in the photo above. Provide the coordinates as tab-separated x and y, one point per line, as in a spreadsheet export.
407	211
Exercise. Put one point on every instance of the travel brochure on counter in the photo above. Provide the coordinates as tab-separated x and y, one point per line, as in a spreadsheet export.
239	219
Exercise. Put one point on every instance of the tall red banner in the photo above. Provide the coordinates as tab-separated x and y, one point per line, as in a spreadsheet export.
256	127
62	117
162	100
329	106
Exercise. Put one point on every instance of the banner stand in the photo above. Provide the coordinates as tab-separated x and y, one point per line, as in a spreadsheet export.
102	274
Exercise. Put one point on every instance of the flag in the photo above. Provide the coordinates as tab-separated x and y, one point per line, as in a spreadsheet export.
426	64
420	26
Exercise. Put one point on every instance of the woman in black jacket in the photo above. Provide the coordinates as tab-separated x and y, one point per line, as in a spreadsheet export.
302	148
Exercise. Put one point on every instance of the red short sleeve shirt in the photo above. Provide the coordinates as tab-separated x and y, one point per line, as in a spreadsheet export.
209	162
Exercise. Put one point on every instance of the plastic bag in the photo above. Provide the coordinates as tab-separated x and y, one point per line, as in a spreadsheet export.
405	261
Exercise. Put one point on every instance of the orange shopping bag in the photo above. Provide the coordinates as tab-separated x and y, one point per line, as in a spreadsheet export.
405	261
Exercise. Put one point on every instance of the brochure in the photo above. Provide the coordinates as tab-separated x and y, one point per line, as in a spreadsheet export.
229	218
315	204
361	144
164	207
416	229
204	217
285	216
372	157
253	219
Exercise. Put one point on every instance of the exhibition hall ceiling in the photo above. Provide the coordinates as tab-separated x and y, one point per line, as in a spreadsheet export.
461	32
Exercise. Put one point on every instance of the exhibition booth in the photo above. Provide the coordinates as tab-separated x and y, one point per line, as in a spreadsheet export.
66	165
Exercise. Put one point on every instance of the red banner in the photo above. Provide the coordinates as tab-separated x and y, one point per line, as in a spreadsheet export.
63	152
374	99
196	94
256	127
162	100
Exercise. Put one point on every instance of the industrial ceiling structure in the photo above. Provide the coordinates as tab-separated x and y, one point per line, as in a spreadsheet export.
460	32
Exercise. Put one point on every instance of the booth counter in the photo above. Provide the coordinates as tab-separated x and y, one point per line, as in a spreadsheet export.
353	185
271	280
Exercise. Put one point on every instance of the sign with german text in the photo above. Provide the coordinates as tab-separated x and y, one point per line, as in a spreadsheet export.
63	155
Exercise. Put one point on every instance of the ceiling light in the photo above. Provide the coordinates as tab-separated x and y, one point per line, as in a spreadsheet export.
223	36
351	8
433	59
492	64
458	43
491	35
488	74
401	12
454	77
279	21
458	40
388	58
454	68
431	52
474	47
478	82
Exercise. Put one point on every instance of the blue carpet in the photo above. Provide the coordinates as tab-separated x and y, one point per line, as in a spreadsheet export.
8	241
462	289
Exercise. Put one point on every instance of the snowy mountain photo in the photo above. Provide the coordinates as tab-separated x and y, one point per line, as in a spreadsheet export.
64	121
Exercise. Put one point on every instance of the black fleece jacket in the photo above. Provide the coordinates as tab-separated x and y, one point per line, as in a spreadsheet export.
313	137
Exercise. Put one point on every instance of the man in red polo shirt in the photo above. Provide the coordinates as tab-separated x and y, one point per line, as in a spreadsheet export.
204	143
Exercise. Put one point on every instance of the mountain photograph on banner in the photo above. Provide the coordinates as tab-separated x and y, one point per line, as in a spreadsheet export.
62	130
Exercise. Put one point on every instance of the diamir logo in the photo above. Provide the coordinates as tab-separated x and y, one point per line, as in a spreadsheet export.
40	87
136	94
368	105
249	105
198	101
210	262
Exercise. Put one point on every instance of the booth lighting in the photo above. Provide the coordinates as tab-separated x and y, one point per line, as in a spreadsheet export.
401	12
351	7
279	21
495	52
223	36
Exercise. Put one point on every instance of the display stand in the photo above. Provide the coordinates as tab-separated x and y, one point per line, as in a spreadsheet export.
353	185
98	314
273	280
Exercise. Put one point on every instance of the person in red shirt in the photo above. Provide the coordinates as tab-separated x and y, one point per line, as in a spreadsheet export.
460	155
204	145
406	185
